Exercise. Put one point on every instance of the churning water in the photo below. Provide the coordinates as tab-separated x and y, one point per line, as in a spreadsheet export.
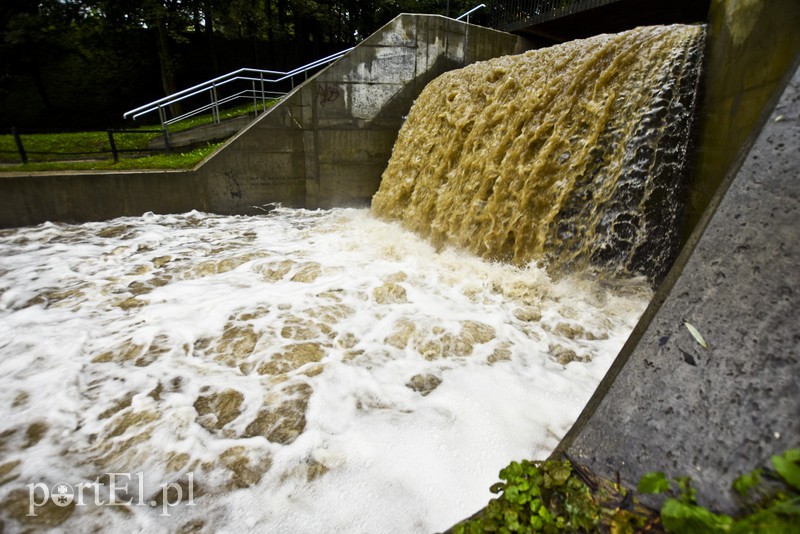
314	371
331	371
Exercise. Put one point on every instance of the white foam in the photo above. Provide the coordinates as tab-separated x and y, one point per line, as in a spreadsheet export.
387	458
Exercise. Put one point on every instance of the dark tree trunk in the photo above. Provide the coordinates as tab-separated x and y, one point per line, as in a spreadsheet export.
166	60
36	75
208	16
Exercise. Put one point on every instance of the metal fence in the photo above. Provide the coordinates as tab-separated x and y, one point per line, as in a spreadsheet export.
24	140
509	15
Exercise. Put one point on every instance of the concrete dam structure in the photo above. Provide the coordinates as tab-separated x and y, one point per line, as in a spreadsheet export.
326	144
348	372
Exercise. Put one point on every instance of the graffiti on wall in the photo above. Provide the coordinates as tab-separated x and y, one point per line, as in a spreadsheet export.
327	93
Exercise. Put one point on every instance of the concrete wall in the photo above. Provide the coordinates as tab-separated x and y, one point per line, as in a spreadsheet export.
670	405
667	404
328	143
27	199
325	145
751	47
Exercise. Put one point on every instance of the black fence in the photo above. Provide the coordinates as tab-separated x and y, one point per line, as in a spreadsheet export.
509	15
112	152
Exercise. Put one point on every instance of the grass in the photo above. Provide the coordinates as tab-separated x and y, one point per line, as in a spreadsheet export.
55	146
184	160
92	150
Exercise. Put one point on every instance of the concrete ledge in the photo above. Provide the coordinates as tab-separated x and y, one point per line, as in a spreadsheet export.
27	199
200	135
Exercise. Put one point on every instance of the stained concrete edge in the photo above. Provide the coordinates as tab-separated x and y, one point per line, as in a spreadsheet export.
670	405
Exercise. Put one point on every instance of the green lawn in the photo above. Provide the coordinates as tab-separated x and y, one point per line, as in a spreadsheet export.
77	145
184	160
92	150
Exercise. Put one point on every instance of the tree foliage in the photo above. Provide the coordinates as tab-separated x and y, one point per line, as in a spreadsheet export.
74	62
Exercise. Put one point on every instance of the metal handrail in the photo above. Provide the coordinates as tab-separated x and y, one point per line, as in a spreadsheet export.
261	76
467	13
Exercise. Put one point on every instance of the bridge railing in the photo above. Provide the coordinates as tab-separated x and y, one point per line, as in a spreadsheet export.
465	15
509	15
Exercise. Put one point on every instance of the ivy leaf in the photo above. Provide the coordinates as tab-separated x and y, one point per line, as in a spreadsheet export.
511	494
653	482
512	470
559	473
685	518
788	469
511	520
793	455
746	482
780	518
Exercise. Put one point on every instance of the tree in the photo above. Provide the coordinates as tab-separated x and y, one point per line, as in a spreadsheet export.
74	62
33	31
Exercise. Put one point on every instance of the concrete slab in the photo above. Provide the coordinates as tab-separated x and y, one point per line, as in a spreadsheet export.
668	404
200	135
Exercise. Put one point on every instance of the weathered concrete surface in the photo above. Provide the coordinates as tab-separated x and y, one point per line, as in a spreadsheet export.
329	141
751	46
670	405
27	199
207	133
325	145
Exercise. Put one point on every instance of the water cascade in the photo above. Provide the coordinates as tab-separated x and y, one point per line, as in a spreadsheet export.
328	371
573	155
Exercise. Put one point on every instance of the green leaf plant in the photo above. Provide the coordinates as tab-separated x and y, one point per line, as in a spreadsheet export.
768	508
557	496
561	496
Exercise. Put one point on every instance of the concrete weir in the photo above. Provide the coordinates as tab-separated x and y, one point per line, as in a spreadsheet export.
326	144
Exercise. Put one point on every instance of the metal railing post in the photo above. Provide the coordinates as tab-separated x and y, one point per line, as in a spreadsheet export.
263	94
215	104
18	140
113	144
162	116
165	133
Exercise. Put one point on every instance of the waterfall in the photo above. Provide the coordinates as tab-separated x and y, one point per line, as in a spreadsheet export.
573	155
